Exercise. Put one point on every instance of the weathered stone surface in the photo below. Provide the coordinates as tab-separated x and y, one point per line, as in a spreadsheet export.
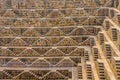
59	39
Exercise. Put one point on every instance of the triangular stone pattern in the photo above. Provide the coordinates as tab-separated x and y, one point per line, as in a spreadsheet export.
59	40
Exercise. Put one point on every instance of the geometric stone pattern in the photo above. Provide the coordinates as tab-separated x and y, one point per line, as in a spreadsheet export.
59	40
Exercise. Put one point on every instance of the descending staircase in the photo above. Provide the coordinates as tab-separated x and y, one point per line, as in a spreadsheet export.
59	39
